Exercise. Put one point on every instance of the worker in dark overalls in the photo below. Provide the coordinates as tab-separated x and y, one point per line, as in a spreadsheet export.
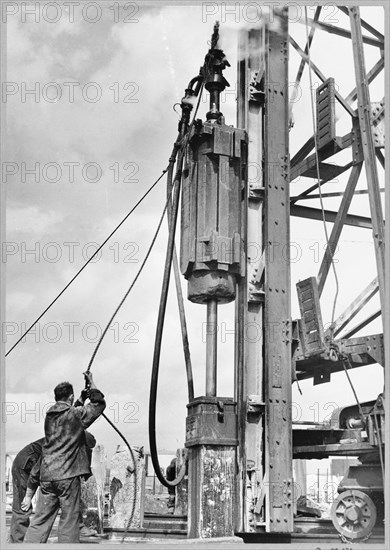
26	463
26	473
64	461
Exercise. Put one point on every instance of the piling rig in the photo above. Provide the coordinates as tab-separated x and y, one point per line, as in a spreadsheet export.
241	448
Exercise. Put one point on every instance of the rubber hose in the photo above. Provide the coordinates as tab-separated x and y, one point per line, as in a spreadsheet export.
183	324
159	333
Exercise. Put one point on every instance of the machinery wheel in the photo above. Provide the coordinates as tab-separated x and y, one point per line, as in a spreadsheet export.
353	514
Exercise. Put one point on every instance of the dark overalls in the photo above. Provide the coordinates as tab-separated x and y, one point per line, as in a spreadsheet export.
64	461
22	466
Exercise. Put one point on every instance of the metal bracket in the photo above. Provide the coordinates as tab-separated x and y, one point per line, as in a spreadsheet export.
255	405
256	272
285	166
256	193
286	331
288	493
378	123
256	93
256	296
357	347
357	149
257	96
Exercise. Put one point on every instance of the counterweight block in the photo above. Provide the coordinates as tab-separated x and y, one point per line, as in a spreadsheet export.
211	245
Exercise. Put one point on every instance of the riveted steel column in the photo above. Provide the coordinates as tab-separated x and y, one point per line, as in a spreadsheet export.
250	302
363	98
277	333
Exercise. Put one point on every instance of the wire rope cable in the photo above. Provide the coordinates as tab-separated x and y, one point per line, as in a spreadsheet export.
87	262
318	170
97	348
343	359
129	289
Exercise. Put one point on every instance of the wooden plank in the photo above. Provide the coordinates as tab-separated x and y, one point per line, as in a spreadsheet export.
311	319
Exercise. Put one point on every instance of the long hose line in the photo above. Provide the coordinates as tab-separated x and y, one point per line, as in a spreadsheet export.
159	332
179	293
181	143
134	472
98	346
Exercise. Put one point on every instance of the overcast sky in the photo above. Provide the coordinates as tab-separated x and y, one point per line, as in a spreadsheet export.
109	117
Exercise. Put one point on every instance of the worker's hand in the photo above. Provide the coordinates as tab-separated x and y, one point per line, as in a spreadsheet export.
26	504
84	395
89	379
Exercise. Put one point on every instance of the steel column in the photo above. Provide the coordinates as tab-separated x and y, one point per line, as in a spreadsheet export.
363	97
249	305
277	334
